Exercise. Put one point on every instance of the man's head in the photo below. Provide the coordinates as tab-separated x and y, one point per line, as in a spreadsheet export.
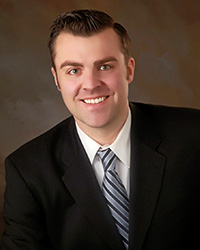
92	70
86	23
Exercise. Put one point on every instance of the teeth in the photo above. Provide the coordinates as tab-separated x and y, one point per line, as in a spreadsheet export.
94	101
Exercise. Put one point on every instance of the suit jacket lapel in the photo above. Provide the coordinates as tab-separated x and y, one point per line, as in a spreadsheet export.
80	180
147	167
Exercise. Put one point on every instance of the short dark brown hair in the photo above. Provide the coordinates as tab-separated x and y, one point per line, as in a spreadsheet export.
86	23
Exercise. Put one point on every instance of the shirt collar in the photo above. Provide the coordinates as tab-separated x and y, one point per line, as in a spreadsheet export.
121	145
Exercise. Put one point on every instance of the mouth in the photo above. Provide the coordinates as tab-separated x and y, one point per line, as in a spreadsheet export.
95	100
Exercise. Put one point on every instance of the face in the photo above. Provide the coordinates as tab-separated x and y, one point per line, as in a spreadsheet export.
93	79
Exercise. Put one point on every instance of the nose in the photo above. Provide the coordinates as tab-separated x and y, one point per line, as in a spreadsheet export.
90	80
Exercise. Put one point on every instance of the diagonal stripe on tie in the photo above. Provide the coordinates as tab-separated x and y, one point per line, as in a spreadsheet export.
115	194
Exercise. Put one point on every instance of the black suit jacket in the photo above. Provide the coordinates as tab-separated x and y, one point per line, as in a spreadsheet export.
53	200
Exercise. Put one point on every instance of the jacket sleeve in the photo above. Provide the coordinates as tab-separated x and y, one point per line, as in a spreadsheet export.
24	219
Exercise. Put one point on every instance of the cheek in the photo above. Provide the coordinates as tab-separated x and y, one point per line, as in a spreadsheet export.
119	83
112	80
69	89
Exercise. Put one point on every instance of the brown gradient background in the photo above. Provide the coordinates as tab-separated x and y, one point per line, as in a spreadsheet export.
166	40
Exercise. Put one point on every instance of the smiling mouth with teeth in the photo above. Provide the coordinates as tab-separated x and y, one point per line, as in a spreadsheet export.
96	100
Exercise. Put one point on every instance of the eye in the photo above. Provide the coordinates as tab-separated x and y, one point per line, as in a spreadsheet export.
73	71
105	67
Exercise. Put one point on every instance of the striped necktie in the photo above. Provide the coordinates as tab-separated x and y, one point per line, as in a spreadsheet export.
115	194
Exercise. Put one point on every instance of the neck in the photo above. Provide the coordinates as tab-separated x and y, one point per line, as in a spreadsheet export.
105	135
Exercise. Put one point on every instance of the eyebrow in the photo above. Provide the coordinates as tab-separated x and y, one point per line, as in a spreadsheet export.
98	62
70	63
105	60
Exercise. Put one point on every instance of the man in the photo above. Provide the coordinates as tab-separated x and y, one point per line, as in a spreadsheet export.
61	192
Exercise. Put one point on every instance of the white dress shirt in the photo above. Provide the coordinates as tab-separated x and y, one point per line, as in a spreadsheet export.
121	148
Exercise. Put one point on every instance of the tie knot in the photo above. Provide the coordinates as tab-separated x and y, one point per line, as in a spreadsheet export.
108	159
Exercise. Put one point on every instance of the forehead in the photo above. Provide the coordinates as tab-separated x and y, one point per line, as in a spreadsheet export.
69	46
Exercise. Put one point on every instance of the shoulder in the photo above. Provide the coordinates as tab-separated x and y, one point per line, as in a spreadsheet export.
174	121
45	143
168	113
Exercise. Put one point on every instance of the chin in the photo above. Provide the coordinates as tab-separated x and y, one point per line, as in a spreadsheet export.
96	125
95	121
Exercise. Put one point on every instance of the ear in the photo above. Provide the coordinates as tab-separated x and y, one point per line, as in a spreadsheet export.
55	78
131	68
